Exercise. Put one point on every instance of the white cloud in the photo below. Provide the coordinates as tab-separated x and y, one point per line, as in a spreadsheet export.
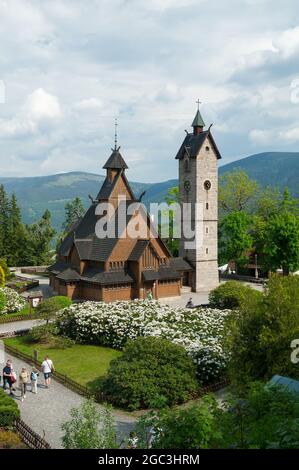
41	109
291	135
41	106
287	43
69	70
89	104
261	137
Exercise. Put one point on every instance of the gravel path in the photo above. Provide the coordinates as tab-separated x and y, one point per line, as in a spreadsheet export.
46	411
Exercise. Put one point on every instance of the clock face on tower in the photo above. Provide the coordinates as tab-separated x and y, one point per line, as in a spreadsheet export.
207	185
187	186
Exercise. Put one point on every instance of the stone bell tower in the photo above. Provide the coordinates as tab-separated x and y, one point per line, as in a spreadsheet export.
198	186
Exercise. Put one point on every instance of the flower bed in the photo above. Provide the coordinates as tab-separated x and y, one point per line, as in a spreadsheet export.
13	301
199	331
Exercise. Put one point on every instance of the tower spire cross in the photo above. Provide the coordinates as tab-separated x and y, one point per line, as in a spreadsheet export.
198	103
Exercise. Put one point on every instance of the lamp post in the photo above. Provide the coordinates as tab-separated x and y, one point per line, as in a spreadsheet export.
256	268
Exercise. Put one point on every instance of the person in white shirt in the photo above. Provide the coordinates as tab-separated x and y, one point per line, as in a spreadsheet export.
47	368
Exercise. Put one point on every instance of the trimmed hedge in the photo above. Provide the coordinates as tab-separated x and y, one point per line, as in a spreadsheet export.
232	294
9	410
151	373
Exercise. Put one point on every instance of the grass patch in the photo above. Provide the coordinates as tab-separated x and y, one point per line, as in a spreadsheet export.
86	364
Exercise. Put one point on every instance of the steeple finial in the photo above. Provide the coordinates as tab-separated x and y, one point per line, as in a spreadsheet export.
198	122
115	134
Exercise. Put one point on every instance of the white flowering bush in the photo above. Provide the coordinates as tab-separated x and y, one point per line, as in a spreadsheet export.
13	301
199	331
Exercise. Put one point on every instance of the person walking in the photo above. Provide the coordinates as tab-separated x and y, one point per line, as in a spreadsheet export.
47	368
33	377
8	377
190	303
23	381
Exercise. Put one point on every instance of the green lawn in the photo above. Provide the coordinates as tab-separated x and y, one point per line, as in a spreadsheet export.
83	363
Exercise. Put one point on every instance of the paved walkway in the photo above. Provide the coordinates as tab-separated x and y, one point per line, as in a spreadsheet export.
46	411
43	284
198	298
18	325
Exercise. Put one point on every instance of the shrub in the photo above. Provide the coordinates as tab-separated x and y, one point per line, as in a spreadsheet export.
194	427
200	331
2	302
152	372
261	336
14	301
261	418
232	294
10	440
9	410
49	307
89	428
57	303
47	334
2	277
5	268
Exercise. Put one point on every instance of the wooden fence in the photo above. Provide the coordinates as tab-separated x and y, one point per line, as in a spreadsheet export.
28	436
24	317
215	386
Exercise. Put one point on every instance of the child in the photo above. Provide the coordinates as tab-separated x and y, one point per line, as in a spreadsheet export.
23	379
33	377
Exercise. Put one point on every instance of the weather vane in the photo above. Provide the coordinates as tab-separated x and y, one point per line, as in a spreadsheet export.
115	133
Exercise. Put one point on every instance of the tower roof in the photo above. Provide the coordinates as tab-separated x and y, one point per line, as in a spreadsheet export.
198	120
115	161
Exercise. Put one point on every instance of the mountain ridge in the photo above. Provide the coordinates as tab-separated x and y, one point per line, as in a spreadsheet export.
37	193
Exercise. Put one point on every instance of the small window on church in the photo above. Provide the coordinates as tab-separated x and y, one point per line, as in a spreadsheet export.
207	148
207	229
207	251
207	205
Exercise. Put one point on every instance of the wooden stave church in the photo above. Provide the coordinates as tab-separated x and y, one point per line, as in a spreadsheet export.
110	269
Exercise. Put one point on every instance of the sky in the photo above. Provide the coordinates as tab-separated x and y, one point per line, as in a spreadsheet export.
69	67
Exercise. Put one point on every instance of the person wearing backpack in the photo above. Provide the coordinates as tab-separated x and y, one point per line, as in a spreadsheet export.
23	380
33	377
47	368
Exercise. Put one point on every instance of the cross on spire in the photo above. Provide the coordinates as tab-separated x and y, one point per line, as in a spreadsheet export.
198	103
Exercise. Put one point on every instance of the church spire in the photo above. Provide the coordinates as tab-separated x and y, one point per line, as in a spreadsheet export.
198	122
115	161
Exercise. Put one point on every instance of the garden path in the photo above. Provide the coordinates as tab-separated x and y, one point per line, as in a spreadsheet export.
46	411
18	325
43	284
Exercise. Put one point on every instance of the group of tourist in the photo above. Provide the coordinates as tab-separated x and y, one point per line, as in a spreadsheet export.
25	378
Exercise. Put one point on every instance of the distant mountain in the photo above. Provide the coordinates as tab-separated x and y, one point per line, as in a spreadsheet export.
36	194
279	169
